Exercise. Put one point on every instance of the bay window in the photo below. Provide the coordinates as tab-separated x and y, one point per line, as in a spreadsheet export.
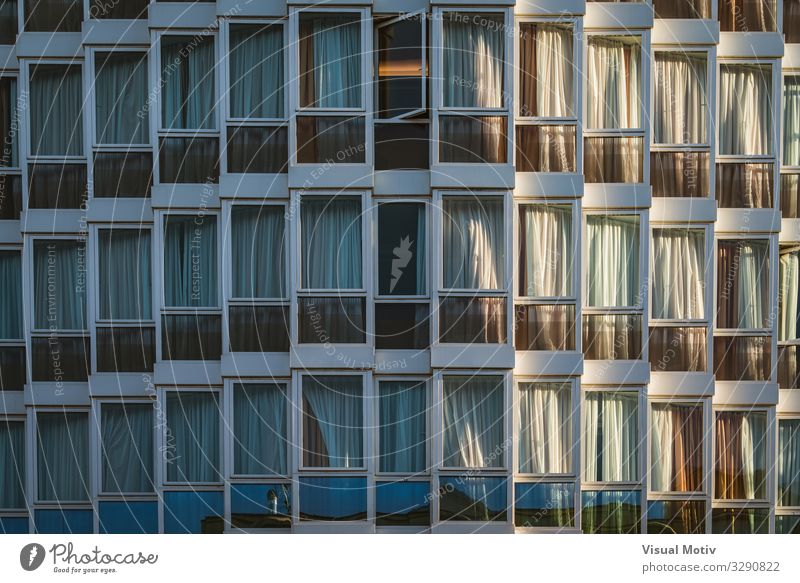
790	171
682	9
333	422
748	15
12	342
12	460
260	434
53	15
127	447
192	436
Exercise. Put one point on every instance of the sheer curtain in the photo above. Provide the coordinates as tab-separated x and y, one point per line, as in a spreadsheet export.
473	421
680	100
127	447
789	462
741	455
743	284
121	93
59	285
333	422
745	108
12	460
56	102
187	75
791	120
63	456
256	71
788	292
401	434
11	286
473	60
613	260
331	242
545	428
259	429
610	437
190	261
192	437
330	61
474	256
546	74
125	274
546	254
258	251
613	100
678	281
676	448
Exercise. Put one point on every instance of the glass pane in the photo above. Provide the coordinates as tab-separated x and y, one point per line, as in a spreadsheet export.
400	74
740	520
546	255
740	470
742	358
260	433
9	107
545	148
60	359
544	505
330	60
473	57
129	9
790	196
472	139
612	337
190	160
473	415
676	517
261	506
190	261
121	98
745	185
63	521
473	499
679	100
787	524
402	146
614	82
791	21
678	269
191	337
681	349
258	328
122	174
789	462
611	512
745	104
546	70
474	243
256	70
538	327
676	448
11	309
402	249
333	499
125	291
127	447
13	368
545	428
682	8
59	284
128	517
193	439
788	371
611	437
331	140
470	320
679	174
8	36
402	433
743	284
10	197
128	349
331	242
193	512
747	15
62	441
332	320
57	186
53	15
788	295
402	326
333	422
791	117
56	98
613	260
12	460
613	160
258	150
402	503
188	86
258	251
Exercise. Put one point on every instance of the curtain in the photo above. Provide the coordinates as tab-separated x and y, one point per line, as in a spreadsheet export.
542	327
333	422
546	74
330	61
127	447
745	107
680	174
258	251
59	285
256	71
473	422
546	254
121	92
613	159
743	284
331	240
63	456
259	429
11	306
741	455
401	433
192	437
125	274
613	100
187	78
676	448
474	246
330	139
12	460
473	59
613	261
742	358
467	320
747	15
612	336
190	261
680	98
610	437
788	293
332	320
545	428
56	102
791	120
744	185
678	279
465	139
789	462
545	148
9	121
683	349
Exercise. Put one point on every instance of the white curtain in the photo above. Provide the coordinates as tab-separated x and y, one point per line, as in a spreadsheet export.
613	98
676	447
127	447
745	109
56	102
190	261
474	249
192	437
330	61
788	291
333	422
546	253
545	428
402	435
791	120
256	71
474	58
121	92
610	437
259	429
187	75
473	421
741	455
679	98
789	462
125	274
63	457
678	278
546	70
12	462
59	285
331	240
613	260
743	284
258	251
11	286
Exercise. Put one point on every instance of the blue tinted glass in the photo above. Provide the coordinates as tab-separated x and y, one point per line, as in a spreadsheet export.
14	525
676	517
470	498
261	505
193	512
403	503
63	521
333	498
128	517
544	505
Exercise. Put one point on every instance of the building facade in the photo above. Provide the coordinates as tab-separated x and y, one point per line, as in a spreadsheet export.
400	266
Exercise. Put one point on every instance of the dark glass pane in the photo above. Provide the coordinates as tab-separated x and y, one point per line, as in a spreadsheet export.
333	499
12	368
401	249
60	359
742	358
189	160
613	159
472	320
790	194
261	506
472	498
53	15
123	174
676	517
745	185
402	146
193	512
740	521
62	521
258	150
787	523
788	373
679	174
681	349
10	197
545	148
472	140
400	66
324	320
791	21
611	512
402	503
129	349
682	8
8	28
612	336
331	140
191	337
259	328
544	505
747	15
402	326
57	186
538	327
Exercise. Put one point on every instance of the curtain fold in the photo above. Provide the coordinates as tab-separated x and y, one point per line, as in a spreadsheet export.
125	274
11	309
546	255
190	261
127	447
12	460
63	457
613	90
259	429
330	61
333	423
678	274
545	428
741	455
544	327
546	76
331	242
256	71
676	448
743	284
473	59
59	285
747	15
612	336
680	98
401	433
121	92
613	260
465	139
791	120
680	174
683	348
56	103
473	421
613	159
610	437
788	294
789	462
192	435
473	239
745	106
187	76
745	185
258	251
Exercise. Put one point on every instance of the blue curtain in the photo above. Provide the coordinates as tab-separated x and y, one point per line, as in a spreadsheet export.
12	465
190	261
402	426
125	276
11	306
331	229
192	437
59	269
330	61
256	62
333	424
56	102
63	460
127	447
258	242
259	429
121	93
187	74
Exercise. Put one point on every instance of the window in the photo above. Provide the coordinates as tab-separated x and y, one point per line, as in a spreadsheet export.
129	9
333	499
682	9
57	186
611	511
788	317
9	122
741	455
8	24
333	422
193	429
611	437
614	142
676	447
473	421
56	98
473	498
62	467
12	344
121	92
127	174
402	428
740	521
748	15
260	434
12	460
791	21
261	505
53	15
788	462
546	119
544	504
194	512
790	177
127	447
676	517
545	428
